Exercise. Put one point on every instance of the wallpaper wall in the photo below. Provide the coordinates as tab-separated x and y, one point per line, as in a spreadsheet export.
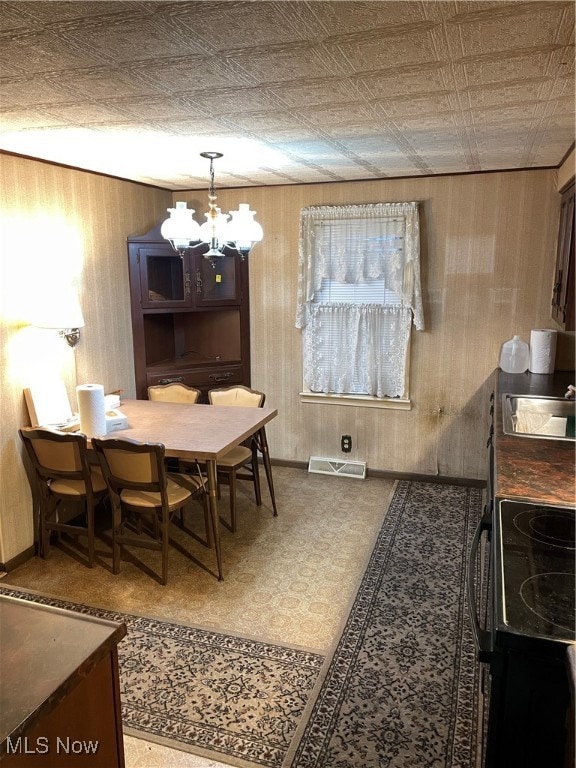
488	252
59	227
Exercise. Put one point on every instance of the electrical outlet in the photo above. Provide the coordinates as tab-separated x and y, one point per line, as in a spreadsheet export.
346	443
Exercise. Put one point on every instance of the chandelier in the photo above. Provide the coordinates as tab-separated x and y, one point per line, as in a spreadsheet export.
224	237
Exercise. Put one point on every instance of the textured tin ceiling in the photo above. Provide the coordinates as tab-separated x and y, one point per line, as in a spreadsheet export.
290	92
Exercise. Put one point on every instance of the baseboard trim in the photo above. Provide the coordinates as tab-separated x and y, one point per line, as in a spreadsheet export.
20	559
418	477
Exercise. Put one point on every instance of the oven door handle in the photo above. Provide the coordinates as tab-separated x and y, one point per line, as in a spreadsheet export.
482	637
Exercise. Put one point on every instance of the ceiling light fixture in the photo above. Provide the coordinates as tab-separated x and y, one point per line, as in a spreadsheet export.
224	238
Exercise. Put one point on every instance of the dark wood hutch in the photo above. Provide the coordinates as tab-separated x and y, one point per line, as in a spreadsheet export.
190	316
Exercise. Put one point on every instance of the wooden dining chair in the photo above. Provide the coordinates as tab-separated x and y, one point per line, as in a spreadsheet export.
175	392
241	462
142	491
64	478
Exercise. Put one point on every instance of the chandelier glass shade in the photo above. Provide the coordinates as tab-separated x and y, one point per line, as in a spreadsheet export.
242	228
225	234
180	228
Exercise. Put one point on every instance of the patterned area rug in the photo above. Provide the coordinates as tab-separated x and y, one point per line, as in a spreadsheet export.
398	691
221	696
400	688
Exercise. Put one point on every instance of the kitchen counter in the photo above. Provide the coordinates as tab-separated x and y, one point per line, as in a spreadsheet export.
59	687
527	468
529	611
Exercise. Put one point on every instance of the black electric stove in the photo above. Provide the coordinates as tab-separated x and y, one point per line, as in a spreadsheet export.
537	560
530	626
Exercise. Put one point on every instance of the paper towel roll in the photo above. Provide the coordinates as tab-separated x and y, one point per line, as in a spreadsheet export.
91	409
542	350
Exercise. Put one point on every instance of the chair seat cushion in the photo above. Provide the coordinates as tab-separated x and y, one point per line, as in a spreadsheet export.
77	487
235	457
177	495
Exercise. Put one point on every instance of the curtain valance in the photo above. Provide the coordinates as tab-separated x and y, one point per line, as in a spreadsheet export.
359	243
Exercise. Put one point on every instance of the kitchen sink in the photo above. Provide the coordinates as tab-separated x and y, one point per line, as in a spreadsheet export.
550	418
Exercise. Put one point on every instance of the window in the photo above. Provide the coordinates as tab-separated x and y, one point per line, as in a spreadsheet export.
359	294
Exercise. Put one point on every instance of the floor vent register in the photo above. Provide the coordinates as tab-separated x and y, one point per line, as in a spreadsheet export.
325	466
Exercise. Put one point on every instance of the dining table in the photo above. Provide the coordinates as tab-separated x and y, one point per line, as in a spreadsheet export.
197	432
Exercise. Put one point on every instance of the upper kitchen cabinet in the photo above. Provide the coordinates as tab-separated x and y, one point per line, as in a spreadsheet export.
563	294
190	316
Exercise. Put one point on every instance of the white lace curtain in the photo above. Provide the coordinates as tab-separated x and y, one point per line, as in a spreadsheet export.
359	347
370	355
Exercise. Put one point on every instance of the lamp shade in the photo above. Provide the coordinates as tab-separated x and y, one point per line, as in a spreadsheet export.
61	310
180	228
242	229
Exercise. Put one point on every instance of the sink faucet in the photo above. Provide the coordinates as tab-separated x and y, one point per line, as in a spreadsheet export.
570	392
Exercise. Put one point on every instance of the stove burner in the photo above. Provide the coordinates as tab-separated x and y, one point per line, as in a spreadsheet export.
548	526
551	596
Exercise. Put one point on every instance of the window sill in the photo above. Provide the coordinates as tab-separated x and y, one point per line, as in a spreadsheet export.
361	401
